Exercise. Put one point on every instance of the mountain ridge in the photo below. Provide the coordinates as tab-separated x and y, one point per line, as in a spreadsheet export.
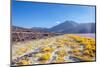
65	27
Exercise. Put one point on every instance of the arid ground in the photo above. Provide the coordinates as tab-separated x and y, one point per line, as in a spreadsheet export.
56	49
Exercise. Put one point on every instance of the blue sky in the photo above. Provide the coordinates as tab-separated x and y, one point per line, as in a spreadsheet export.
30	14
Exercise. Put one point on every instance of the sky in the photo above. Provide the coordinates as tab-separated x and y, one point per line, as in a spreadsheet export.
46	15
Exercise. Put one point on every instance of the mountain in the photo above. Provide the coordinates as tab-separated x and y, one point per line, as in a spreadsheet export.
73	27
64	27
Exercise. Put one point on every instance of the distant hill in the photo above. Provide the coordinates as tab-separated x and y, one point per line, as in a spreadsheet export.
21	29
40	29
73	27
64	27
84	28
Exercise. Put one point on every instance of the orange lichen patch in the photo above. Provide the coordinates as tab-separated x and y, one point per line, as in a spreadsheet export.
88	49
89	53
24	62
45	57
61	53
84	58
86	52
61	41
59	59
47	49
76	52
23	49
